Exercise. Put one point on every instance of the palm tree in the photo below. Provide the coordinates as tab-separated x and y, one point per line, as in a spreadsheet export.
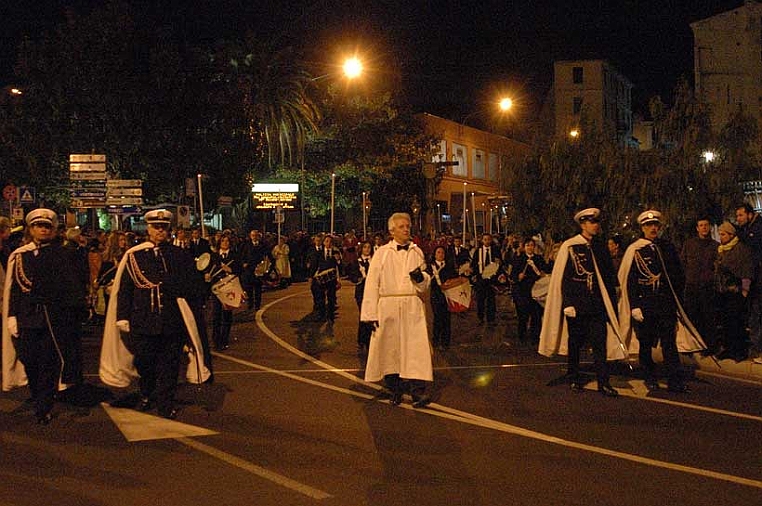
279	114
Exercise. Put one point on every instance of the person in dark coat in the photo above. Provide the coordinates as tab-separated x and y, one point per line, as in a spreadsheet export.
654	283
149	315
47	302
252	253
324	275
357	272
733	272
485	254
223	262
698	256
198	245
440	268
527	268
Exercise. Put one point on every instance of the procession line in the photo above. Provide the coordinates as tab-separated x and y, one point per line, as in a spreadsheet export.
472	419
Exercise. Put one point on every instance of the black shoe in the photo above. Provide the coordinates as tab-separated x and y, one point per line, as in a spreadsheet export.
652	384
607	390
170	415
577	386
44	419
422	401
396	399
679	388
144	404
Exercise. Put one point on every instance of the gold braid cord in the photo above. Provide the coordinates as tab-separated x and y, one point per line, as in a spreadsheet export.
580	270
651	279
21	278
142	282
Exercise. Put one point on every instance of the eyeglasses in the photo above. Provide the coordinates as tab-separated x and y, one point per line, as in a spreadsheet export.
42	225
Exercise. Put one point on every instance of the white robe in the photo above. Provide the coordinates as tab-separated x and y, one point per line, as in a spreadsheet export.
688	338
14	374
554	336
400	345
116	364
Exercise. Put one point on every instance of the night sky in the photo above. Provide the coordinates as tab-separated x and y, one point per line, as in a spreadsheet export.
451	57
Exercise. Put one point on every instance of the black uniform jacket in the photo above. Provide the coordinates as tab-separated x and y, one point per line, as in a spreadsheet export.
580	286
148	297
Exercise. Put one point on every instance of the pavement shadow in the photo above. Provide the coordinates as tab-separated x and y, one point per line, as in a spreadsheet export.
313	335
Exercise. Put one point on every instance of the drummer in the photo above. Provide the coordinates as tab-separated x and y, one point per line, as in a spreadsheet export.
526	269
323	274
224	262
483	271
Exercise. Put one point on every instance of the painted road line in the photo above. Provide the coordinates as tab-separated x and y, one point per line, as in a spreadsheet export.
274	477
137	426
471	419
464	417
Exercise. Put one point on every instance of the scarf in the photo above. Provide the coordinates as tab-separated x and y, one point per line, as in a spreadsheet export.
722	248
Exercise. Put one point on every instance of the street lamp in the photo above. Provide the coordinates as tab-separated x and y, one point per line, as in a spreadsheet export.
352	67
333	199
506	103
416	207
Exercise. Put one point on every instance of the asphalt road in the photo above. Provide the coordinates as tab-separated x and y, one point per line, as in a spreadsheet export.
288	420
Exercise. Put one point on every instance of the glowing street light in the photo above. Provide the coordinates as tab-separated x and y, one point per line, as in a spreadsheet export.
16	91
708	156
352	67
506	104
574	133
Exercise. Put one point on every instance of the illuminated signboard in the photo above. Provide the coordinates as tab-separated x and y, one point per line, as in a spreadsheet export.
272	195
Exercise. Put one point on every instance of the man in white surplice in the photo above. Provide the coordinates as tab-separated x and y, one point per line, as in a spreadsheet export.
392	302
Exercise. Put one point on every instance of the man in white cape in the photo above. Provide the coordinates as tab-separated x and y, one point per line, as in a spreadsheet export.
392	302
580	305
650	304
117	362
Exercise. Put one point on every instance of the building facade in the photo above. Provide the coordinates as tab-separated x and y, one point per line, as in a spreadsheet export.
727	51
474	183
591	94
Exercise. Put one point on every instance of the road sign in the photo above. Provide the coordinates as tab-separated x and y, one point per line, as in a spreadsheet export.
124	183
124	192
124	201
87	176
26	195
88	167
18	213
10	192
87	158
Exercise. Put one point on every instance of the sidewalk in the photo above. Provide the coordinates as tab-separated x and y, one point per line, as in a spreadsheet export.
746	369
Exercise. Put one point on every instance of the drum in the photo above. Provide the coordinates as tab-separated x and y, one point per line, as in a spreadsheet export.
324	278
457	291
490	271
262	268
229	291
540	290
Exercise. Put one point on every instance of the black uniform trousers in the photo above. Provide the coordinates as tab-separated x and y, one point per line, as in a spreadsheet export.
442	321
40	354
157	360
485	300
581	328
325	299
659	327
222	319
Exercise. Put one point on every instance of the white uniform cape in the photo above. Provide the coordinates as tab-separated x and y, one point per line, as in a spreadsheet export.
400	345
14	374
116	367
688	338
554	336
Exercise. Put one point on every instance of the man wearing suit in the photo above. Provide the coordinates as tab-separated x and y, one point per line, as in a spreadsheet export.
198	245
324	287
253	252
487	253
457	253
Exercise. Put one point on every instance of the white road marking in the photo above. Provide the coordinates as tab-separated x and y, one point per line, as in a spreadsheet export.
276	478
137	426
469	418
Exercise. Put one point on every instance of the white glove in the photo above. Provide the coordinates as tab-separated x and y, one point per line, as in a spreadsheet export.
637	314
570	312
13	326
123	326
